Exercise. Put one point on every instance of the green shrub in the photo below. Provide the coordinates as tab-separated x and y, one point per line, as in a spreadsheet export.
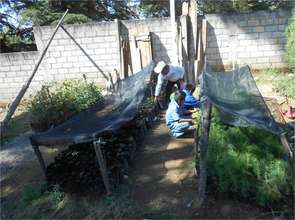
33	192
249	162
290	46
56	102
284	85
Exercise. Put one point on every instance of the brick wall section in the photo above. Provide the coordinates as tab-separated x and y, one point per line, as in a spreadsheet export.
257	39
15	68
66	61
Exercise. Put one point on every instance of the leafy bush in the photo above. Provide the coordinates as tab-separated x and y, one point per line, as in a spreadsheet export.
290	46
56	102
285	85
249	162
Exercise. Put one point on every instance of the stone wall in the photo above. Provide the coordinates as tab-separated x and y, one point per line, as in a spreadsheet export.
257	39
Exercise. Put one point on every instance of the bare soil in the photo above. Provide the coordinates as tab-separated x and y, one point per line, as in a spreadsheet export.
163	181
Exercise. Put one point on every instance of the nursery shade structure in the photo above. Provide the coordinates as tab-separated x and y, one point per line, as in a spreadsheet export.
237	99
87	126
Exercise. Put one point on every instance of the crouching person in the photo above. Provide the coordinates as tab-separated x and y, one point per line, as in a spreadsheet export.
176	122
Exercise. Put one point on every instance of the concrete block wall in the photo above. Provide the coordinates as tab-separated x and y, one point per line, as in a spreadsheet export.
257	39
15	68
65	60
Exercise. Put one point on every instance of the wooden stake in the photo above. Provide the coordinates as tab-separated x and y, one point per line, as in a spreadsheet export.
40	159
291	158
23	90
102	165
287	146
203	145
119	47
85	53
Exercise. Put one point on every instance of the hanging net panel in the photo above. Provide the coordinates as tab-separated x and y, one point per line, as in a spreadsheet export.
237	99
88	125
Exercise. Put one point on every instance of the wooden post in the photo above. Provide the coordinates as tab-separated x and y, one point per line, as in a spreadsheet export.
121	67
102	165
291	157
23	90
287	146
203	145
40	159
174	31
85	53
192	38
184	45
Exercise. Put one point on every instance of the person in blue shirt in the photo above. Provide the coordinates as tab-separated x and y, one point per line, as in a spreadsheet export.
190	101
190	104
175	120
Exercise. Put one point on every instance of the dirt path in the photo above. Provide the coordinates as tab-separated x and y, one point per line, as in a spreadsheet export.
164	185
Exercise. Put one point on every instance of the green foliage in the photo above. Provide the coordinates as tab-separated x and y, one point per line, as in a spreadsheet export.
248	162
33	200
154	8
42	14
285	85
290	46
56	102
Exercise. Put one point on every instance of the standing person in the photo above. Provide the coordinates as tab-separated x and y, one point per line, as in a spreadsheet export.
173	74
175	121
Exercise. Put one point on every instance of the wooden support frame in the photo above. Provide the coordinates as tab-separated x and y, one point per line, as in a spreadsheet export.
40	159
203	146
23	90
102	165
85	53
291	157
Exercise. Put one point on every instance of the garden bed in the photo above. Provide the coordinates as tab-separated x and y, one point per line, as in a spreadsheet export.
76	169
249	164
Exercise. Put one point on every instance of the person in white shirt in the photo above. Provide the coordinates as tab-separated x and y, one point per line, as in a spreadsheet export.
173	74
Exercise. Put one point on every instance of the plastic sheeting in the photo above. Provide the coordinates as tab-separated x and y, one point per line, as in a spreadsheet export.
237	99
88	125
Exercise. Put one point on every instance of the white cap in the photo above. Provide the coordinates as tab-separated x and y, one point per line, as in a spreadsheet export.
159	67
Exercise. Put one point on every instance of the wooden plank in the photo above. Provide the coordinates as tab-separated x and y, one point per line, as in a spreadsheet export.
135	55
23	90
118	35
204	35
203	146
286	146
102	166
291	157
200	54
85	53
192	39
184	45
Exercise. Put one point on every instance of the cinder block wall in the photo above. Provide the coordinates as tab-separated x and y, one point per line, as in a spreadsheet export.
64	60
257	39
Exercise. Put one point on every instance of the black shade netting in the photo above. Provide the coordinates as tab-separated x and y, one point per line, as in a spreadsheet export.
237	99
88	125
